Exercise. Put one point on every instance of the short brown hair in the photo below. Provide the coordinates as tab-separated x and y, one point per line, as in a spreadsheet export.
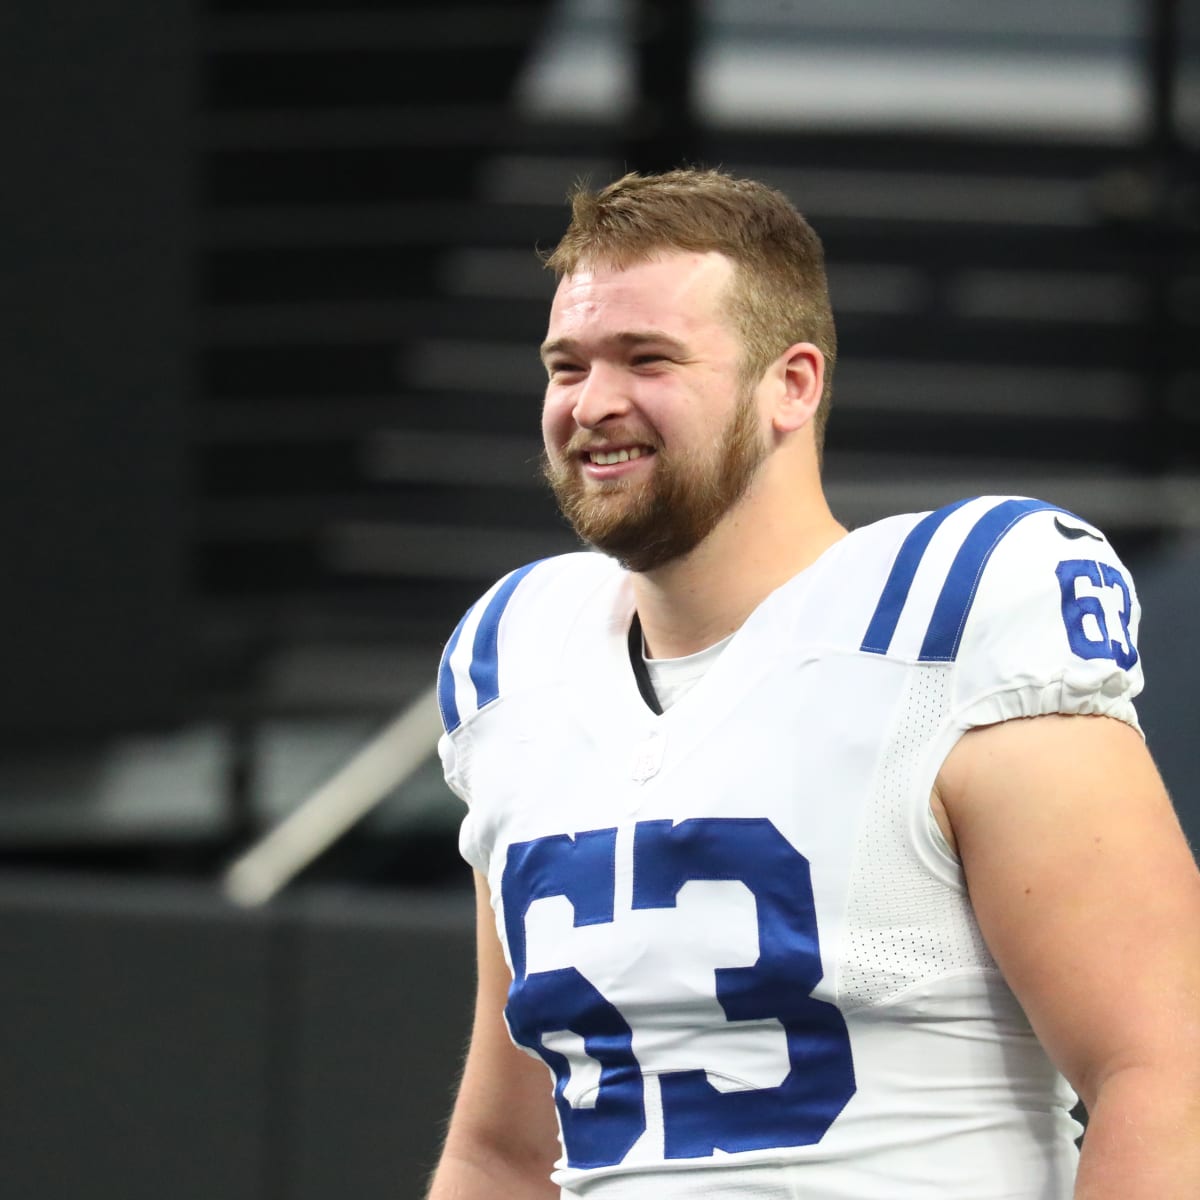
780	294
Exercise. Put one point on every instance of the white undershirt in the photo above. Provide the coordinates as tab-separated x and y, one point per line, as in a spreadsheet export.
673	678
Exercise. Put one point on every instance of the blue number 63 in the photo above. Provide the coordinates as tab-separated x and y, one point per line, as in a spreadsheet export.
697	1118
1076	608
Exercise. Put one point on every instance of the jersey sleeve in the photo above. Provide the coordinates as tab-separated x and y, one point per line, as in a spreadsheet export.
1047	622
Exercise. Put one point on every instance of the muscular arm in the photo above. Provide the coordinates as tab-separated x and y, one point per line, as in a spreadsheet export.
1089	898
503	1137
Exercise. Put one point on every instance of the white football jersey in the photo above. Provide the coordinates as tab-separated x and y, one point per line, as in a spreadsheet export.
737	942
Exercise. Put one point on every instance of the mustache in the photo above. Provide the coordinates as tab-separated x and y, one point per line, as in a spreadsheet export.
618	435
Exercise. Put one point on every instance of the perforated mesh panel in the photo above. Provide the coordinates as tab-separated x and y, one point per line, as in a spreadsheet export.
903	924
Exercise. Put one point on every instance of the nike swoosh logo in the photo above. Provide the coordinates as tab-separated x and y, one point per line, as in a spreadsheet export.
1070	531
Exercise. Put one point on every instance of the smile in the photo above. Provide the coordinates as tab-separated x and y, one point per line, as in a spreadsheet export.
608	458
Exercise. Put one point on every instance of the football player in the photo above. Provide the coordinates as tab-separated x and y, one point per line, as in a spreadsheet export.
811	863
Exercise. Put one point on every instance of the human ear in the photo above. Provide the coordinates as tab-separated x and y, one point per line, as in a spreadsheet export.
800	369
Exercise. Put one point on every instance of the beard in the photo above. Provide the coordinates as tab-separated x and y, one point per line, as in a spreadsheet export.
652	522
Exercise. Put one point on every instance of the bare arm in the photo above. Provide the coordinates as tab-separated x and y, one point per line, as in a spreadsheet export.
1089	898
503	1136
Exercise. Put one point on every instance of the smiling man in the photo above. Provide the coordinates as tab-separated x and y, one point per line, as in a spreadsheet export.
812	864
624	490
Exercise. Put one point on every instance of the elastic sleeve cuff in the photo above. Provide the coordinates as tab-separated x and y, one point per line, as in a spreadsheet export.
1097	688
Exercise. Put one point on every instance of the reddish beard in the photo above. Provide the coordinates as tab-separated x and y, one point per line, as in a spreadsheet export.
648	523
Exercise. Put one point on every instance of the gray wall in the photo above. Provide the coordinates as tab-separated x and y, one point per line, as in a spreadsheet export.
1168	586
96	232
157	1042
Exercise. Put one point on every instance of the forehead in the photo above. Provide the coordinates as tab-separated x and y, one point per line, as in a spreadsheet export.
681	293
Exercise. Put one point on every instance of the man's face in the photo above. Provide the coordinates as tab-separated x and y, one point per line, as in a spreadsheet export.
650	435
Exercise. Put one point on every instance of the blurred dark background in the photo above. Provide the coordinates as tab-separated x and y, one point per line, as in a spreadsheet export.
271	402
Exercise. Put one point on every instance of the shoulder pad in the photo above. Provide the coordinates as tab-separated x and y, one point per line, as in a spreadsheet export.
1020	595
470	674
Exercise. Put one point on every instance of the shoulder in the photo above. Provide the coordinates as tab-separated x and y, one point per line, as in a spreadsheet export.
974	552
1017	593
513	627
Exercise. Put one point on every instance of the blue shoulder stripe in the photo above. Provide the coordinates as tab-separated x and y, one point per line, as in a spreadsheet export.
447	698
485	663
953	605
485	666
899	582
484	671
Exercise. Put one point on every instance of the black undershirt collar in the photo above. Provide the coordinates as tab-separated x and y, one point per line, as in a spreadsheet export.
640	671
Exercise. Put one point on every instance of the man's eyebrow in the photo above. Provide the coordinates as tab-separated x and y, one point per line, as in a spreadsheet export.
630	339
555	346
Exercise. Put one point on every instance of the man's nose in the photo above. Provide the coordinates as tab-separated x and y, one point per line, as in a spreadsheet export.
603	395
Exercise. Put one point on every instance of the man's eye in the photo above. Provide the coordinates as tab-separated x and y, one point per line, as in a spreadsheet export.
562	368
648	360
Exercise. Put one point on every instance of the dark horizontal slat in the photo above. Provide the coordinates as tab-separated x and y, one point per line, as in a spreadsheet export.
373	223
252	276
277	516
229	278
352	369
378	550
747	151
364	25
473	127
756	151
298	417
1099	248
333	467
521	321
338	176
280	471
367	76
962	438
1001	343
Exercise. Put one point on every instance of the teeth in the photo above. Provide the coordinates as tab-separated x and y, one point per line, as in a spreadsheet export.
607	458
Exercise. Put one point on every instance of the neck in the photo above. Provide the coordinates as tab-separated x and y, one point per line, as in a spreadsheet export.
698	599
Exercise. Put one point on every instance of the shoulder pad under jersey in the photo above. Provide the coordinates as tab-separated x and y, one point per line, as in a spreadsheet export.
1030	604
508	630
